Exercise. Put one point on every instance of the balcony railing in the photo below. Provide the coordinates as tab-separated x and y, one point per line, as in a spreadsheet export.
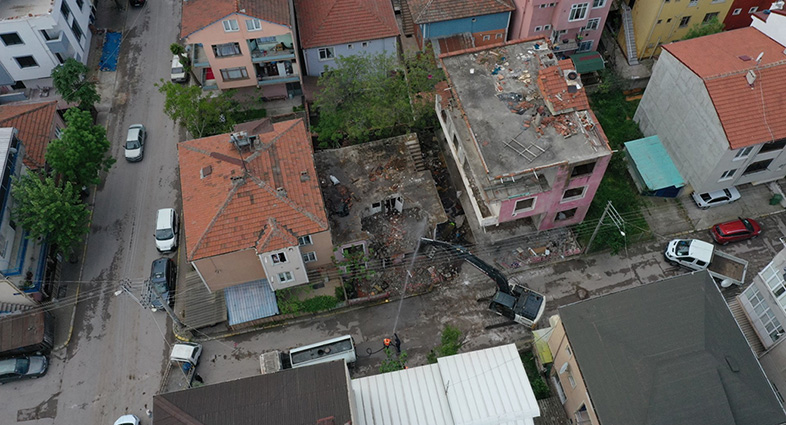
275	73
268	49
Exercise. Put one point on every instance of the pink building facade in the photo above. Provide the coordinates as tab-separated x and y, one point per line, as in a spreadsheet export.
572	26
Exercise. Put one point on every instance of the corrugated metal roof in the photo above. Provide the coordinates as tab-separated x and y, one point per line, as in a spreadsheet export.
196	306
411	396
250	301
654	163
488	387
587	62
481	387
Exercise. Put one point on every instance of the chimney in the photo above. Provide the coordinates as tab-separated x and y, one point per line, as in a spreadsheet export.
281	191
240	139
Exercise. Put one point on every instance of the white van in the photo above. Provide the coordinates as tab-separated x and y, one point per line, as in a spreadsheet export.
178	73
166	230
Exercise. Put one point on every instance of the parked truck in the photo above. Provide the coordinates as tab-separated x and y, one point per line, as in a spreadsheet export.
26	333
698	255
183	362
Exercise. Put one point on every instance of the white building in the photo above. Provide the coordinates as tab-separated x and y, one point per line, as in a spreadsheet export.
37	35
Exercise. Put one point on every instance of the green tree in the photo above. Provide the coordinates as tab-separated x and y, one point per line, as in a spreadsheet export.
364	97
179	50
393	362
70	80
450	343
82	150
705	28
201	114
47	210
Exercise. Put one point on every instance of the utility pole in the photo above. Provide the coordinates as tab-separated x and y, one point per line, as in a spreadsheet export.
615	218
145	304
164	303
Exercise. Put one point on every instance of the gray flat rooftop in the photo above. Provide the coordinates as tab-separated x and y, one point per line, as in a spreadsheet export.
372	172
668	352
498	91
19	9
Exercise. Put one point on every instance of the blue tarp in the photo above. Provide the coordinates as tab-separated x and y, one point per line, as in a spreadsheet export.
653	164
110	51
250	301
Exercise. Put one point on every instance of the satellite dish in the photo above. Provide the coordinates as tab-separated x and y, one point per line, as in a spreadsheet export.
758	58
563	368
725	283
572	75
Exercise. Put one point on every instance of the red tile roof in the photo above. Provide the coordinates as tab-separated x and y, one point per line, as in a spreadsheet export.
278	199
749	115
554	88
35	122
425	11
329	22
198	14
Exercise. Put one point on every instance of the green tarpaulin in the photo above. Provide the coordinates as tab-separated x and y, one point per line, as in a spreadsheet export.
587	62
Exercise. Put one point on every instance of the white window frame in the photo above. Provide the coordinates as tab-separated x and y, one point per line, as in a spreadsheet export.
226	76
364	44
304	240
538	29
600	3
543	6
279	258
498	35
230	25
728	174
350	46
523	210
546	27
285	277
587	43
737	11
327	53
309	257
575	197
592	24
552	4
253	24
753	9
578	12
693	3
743	153
486	37
572	381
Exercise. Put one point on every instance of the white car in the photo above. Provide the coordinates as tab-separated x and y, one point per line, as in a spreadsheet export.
718	197
135	143
167	227
127	420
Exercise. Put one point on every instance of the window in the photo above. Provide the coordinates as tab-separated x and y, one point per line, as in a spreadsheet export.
253	25
26	61
773	146
565	215
757	167
304	240
578	12
572	381
693	3
309	257
326	53
498	36
350	47
552	4
585	46
538	29
598	3
728	174
546	27
582	170
668	20
543	6
736	11
660	20
761	308
684	21
76	30
567	351
230	25
285	277
753	9
743	153
486	37
524	205
226	50
708	17
229	74
65	10
279	257
11	39
364	44
58	132
80	3
574	193
592	24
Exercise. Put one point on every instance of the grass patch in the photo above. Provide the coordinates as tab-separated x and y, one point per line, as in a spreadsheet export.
539	385
247	115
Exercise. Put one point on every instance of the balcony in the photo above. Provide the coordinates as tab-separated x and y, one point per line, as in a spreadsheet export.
198	56
565	44
56	42
277	72
267	49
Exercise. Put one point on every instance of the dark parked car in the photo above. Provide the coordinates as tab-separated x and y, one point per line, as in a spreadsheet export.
137	3
737	230
162	280
22	367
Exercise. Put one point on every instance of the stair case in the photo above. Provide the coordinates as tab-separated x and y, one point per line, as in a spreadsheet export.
413	146
630	37
745	325
407	24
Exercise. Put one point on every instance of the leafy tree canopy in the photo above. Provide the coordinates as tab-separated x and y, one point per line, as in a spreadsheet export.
47	210
201	114
70	80
705	28
82	150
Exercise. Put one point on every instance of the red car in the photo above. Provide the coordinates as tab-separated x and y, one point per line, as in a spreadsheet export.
737	230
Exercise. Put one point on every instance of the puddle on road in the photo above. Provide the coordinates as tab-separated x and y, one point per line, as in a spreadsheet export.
47	409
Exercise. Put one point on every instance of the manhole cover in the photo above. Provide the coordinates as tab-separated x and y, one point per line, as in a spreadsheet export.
582	293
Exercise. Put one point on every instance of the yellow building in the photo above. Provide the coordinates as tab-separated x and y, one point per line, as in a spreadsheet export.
656	22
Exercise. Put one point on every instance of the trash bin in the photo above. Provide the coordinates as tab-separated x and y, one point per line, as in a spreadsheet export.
776	199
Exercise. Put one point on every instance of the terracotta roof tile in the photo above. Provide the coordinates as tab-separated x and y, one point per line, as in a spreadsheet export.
329	22
198	14
35	122
554	88
426	11
268	208
746	114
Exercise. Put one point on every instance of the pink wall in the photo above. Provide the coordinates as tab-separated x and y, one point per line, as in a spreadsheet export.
529	15
548	204
215	34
